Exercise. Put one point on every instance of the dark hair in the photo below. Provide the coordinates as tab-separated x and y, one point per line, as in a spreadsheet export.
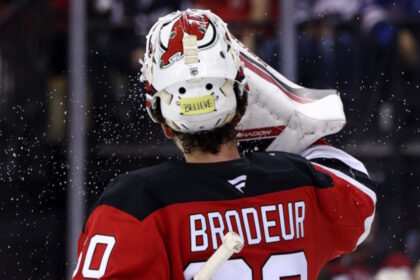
207	141
210	141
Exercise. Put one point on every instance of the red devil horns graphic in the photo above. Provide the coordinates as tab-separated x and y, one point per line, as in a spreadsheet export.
187	23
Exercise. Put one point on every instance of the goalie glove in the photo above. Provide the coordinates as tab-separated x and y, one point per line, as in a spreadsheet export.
291	117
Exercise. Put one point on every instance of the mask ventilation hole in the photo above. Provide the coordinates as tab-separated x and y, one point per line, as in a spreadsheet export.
182	90
209	86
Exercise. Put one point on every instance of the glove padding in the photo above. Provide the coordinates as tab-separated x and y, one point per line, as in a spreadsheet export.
292	116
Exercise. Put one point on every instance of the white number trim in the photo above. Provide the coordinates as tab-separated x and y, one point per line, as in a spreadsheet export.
109	241
276	267
236	269
77	266
285	265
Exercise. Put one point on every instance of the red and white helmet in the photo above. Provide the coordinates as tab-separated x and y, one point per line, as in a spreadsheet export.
194	77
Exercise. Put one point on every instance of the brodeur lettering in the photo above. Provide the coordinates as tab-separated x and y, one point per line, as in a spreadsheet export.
268	223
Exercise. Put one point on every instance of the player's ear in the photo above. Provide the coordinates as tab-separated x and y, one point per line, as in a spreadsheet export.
169	133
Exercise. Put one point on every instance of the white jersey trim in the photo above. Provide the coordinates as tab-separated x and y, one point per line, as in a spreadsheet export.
369	220
323	151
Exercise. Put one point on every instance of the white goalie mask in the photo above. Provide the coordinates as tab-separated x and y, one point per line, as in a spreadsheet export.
194	77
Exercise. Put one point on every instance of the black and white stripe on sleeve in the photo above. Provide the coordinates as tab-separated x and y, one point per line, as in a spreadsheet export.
347	168
339	160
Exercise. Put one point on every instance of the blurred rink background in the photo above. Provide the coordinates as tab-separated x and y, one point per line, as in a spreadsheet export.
72	114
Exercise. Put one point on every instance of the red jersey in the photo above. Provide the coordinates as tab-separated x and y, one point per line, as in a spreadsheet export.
294	215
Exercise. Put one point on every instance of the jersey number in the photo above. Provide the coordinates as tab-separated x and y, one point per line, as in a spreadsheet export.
279	266
87	271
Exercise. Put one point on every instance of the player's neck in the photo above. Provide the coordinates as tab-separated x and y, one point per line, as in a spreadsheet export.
228	151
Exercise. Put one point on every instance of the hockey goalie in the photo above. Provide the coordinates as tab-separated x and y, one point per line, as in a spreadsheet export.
296	205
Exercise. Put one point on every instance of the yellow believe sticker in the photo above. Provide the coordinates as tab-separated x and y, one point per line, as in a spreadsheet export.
197	105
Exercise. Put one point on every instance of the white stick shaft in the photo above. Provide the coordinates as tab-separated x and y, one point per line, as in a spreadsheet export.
213	264
232	243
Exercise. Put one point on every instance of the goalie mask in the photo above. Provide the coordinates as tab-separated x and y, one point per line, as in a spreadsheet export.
194	77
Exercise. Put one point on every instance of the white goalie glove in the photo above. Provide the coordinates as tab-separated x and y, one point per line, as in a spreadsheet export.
293	116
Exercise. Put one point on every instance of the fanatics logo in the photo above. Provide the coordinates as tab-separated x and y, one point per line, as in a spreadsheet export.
238	182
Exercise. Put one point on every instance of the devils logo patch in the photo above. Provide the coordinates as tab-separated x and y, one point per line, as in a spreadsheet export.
171	40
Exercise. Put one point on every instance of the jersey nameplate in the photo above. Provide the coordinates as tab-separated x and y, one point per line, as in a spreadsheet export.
268	224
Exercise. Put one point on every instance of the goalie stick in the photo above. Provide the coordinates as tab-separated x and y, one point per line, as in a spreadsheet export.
232	243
